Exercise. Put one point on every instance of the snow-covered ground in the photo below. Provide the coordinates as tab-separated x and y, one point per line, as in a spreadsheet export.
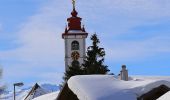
107	87
21	94
49	96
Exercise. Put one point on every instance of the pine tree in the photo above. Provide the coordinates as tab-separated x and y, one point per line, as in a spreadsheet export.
93	63
74	69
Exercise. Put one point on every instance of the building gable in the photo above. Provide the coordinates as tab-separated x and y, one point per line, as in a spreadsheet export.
154	93
66	94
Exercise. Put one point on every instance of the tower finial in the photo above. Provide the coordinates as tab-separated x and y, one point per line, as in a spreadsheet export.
74	12
74	3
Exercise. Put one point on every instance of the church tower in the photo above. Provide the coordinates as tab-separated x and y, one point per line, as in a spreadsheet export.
74	39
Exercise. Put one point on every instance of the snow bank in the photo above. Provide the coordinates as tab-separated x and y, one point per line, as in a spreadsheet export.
107	87
166	96
49	96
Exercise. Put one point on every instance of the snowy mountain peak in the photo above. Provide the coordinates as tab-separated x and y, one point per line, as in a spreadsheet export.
21	94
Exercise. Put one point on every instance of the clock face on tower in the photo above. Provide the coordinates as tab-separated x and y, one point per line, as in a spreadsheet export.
75	55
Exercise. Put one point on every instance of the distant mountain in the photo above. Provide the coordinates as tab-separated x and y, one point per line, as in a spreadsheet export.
21	94
50	87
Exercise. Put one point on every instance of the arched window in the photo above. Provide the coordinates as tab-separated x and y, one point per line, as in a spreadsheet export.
75	45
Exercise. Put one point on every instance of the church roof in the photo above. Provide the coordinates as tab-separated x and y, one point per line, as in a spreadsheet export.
74	26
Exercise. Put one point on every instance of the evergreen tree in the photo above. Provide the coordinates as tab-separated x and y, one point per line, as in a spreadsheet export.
74	69
93	63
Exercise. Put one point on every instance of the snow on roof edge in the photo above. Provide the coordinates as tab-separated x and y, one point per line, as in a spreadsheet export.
166	96
140	86
148	87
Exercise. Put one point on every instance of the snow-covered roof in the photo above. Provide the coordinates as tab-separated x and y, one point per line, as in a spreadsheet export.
49	96
166	96
107	87
35	92
76	31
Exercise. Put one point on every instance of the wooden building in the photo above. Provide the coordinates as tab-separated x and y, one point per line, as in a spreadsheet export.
66	94
35	92
154	93
110	88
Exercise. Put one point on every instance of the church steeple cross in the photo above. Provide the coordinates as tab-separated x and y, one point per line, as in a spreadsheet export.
74	3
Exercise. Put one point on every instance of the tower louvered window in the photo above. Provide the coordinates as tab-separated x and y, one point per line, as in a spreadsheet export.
75	45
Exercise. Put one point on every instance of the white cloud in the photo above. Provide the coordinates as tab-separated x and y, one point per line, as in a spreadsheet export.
117	17
40	37
52	77
42	45
41	34
129	8
135	50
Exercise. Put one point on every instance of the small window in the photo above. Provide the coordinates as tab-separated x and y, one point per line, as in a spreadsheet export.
75	45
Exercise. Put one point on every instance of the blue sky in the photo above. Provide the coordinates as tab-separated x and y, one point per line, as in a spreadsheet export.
133	32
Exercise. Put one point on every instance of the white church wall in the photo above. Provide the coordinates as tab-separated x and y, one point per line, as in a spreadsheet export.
82	48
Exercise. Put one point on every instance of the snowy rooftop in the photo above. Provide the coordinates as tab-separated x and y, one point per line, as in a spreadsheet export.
76	31
165	96
107	87
49	96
